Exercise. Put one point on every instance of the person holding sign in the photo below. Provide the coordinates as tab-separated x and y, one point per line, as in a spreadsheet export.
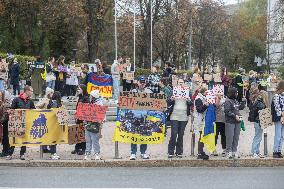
277	111
154	80
179	112
4	118
22	102
115	79
259	102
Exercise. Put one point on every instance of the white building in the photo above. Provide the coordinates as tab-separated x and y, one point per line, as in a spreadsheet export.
275	36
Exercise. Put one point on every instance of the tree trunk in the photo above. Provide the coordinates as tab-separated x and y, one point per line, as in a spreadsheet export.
90	30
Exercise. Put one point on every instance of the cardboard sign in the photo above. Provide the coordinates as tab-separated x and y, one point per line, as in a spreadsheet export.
207	77
142	101
265	118
17	123
76	134
174	80
181	92
90	112
3	70
210	96
128	76
217	78
62	116
218	89
122	68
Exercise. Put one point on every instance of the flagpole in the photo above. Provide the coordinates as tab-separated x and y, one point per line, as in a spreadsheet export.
134	36
115	28
151	49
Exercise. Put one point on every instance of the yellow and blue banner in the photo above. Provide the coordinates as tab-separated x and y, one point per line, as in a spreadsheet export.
101	83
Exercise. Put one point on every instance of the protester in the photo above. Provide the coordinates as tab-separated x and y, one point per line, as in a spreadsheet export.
272	83
84	98
239	84
4	118
54	102
226	81
200	107
15	77
277	110
220	123
233	122
154	79
196	80
50	76
179	112
4	74
72	80
22	102
127	84
60	75
115	79
259	101
167	70
140	88
106	68
93	129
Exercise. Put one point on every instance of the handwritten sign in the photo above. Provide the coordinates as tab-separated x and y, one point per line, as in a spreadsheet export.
265	118
62	116
17	123
210	96
142	101
207	77
76	134
217	78
128	76
90	112
181	92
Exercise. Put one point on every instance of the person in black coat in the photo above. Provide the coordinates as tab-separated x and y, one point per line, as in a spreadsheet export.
15	77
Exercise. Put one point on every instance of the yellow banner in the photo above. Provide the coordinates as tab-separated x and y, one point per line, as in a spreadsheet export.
42	128
105	91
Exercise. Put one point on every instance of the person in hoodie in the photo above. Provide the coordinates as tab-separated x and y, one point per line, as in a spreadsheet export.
277	111
154	80
93	129
22	102
84	98
199	111
233	120
179	112
4	118
54	102
259	101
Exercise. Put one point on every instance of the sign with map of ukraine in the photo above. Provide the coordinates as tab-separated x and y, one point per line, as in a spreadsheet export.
41	128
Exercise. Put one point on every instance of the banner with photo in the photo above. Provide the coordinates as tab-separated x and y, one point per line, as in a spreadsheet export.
40	127
140	127
101	83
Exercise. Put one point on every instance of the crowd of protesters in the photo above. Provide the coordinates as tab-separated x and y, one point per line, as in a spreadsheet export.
60	79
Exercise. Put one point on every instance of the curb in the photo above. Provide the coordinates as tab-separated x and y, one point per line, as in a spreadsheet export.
146	163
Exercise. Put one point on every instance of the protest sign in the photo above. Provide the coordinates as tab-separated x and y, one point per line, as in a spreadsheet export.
101	83
90	112
142	101
3	70
17	123
41	128
76	134
181	92
128	76
140	127
62	116
210	96
217	78
122	68
265	118
207	77
218	89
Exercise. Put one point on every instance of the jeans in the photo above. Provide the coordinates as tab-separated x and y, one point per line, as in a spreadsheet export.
176	140
116	85
51	84
232	136
92	141
278	137
257	139
143	148
16	88
2	86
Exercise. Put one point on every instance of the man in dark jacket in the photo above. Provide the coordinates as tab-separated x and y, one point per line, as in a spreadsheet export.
22	102
15	77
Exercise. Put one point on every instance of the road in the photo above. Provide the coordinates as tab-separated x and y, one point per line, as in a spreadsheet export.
157	178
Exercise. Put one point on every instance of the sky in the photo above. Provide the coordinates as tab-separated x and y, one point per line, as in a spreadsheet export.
231	1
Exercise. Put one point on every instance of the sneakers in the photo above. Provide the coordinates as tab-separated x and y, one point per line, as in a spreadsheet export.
145	156
97	157
22	157
54	157
74	152
224	152
255	155
236	155
203	156
277	155
179	155
230	155
170	156
8	157
133	157
215	153
87	157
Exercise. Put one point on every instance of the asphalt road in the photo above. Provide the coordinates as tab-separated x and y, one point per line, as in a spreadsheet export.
158	178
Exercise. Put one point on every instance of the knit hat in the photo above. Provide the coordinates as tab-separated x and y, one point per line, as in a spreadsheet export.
48	91
97	61
95	94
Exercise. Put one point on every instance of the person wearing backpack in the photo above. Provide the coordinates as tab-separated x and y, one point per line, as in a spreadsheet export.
259	101
93	129
277	110
55	102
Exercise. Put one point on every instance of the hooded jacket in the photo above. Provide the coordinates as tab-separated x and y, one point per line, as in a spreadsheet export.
232	108
22	103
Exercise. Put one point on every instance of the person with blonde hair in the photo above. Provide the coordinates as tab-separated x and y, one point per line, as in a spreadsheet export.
277	111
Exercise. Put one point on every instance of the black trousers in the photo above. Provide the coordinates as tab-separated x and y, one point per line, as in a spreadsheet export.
5	139
176	140
80	147
220	129
16	89
22	152
200	145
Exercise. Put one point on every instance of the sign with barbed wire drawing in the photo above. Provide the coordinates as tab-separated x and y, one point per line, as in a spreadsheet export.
265	118
62	116
181	92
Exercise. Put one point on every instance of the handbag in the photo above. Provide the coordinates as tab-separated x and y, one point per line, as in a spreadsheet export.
93	127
